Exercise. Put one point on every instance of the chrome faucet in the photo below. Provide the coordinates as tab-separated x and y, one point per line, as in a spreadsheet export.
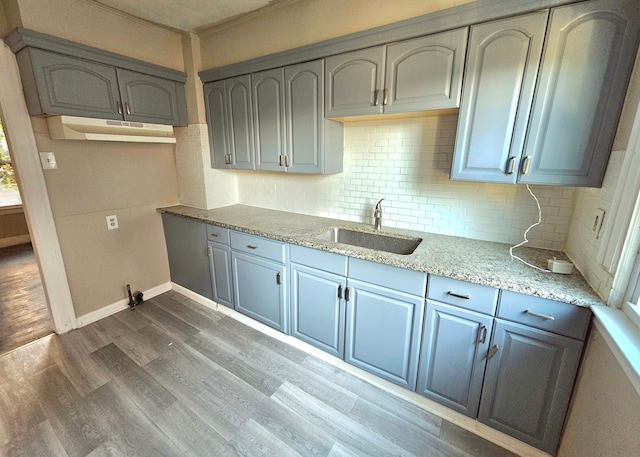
377	215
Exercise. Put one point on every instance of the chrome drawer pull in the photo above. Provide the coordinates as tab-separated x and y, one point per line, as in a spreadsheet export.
483	329
340	291
214	234
453	294
278	280
542	316
493	351
251	246
511	165
376	97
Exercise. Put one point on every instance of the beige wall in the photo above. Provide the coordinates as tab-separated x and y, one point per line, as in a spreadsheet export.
13	224
90	24
306	22
604	417
97	179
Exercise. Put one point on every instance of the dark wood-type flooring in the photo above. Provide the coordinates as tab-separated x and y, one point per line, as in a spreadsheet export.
24	315
172	378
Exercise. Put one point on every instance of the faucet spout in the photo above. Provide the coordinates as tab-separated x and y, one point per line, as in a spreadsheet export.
377	215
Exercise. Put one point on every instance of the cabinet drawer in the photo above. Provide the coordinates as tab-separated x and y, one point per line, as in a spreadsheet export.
400	279
322	260
218	234
474	297
556	317
269	249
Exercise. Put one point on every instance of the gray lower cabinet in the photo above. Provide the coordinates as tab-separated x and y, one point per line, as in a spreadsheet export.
453	356
413	75
220	265
60	84
318	284
230	121
384	320
531	367
495	105
260	279
528	383
187	251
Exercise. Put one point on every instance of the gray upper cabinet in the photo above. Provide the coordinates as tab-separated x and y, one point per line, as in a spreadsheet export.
499	81
148	98
354	82
314	144
268	119
230	121
414	75
62	77
588	58
560	133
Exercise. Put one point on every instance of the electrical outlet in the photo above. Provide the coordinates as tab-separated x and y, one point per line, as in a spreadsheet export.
112	222
48	160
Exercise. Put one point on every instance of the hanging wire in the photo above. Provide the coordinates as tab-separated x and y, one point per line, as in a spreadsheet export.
526	232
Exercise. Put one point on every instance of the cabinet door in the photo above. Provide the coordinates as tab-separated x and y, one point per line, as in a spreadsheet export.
268	119
499	80
425	73
317	308
528	383
76	87
240	122
188	257
354	83
383	332
585	70
216	110
220	262
453	356
259	289
151	99
304	108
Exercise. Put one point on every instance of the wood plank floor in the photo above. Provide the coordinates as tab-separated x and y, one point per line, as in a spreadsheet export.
24	315
172	378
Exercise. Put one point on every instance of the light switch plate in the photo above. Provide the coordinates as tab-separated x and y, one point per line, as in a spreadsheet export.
597	222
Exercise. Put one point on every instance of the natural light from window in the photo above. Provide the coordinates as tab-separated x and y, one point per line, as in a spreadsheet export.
9	194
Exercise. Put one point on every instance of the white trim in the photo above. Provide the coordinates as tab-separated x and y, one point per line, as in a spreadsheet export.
14	240
467	423
623	338
120	305
35	199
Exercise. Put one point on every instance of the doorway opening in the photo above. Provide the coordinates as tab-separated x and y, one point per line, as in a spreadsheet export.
24	313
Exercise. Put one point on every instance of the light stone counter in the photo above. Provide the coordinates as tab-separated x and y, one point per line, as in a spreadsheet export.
480	262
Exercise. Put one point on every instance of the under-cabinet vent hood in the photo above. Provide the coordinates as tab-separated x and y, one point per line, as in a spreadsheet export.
83	128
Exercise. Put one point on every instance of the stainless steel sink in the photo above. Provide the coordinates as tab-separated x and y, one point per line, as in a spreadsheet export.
379	241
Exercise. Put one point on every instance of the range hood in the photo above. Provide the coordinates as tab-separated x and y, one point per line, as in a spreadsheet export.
84	128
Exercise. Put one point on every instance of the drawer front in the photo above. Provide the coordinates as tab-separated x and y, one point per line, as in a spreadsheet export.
263	247
474	297
561	318
218	234
400	279
321	260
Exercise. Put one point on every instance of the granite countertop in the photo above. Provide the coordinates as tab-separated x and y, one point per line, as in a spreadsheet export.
480	262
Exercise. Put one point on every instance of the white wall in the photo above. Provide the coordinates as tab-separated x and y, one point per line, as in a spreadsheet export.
408	162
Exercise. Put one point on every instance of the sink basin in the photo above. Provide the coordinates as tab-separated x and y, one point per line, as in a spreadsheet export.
379	241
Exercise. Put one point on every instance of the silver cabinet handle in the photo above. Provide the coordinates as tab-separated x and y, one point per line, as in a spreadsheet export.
483	332
127	107
376	97
384	97
511	165
493	350
527	165
464	297
286	161
119	107
209	251
214	235
250	246
347	294
548	317
340	291
280	160
278	282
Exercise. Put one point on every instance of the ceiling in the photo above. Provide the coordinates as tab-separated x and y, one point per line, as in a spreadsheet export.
187	15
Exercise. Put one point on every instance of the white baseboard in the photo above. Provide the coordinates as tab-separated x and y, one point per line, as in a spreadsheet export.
118	306
14	240
467	423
